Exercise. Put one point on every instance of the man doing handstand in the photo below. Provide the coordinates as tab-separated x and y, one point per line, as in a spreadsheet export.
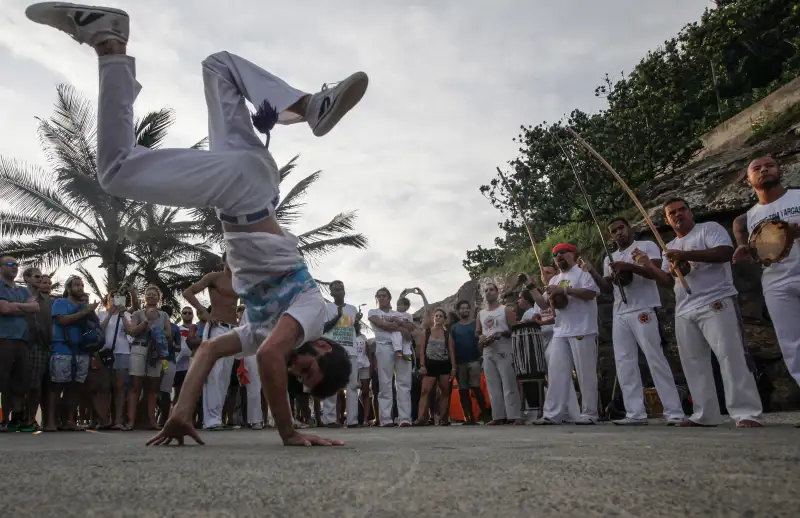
239	178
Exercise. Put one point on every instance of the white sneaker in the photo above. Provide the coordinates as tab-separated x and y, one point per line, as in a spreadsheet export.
675	421
330	104
585	421
545	422
630	421
84	23
256	426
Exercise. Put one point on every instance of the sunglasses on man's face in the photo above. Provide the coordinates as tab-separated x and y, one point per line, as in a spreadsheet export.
561	252
12	264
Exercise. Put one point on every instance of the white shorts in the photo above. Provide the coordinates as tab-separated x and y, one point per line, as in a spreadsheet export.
308	308
138	365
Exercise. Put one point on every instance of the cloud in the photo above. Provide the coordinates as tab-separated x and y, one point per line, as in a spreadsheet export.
450	84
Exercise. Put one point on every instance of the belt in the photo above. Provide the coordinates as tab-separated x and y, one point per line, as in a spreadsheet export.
223	324
249	218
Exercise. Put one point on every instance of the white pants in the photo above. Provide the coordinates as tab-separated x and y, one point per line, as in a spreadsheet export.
566	353
631	331
715	327
168	378
215	389
783	304
573	409
501	380
253	388
231	177
388	364
329	404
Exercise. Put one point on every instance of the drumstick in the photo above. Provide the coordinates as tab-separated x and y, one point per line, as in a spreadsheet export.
638	204
524	219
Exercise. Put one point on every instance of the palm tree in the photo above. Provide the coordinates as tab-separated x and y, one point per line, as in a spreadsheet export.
315	243
61	216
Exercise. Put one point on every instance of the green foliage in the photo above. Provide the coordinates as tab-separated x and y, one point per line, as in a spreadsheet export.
775	124
736	55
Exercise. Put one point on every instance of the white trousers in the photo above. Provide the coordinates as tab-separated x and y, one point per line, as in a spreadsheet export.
215	389
231	177
566	353
573	409
253	388
351	395
388	364
629	332
715	327
783	304
501	380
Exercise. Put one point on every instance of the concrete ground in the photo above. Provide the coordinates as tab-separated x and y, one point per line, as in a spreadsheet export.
563	471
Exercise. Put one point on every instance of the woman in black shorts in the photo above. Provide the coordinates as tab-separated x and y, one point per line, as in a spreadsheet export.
437	366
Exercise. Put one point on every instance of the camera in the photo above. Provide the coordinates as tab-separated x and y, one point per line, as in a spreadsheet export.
119	300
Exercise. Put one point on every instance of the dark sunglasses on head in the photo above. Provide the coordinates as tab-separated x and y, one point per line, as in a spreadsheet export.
12	264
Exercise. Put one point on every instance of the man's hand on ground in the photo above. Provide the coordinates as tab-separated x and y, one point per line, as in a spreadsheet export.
299	439
176	429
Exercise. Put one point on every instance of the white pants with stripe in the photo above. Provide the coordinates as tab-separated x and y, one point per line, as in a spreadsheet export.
215	389
237	175
783	303
388	364
351	395
254	412
501	380
630	332
566	353
716	328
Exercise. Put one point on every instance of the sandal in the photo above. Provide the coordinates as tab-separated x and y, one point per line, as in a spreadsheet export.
749	423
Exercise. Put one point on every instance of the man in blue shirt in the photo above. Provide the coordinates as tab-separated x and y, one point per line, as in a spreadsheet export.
468	361
15	303
69	362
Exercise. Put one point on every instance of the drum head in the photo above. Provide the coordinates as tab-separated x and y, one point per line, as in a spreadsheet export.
684	267
770	241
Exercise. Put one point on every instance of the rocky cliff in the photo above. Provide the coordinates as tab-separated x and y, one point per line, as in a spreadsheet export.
716	190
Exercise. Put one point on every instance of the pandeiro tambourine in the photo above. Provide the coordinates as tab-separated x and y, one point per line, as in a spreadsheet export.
683	266
771	241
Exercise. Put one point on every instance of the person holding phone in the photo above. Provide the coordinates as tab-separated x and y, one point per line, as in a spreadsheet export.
113	320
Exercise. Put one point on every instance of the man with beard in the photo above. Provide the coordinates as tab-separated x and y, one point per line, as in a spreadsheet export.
468	362
222	319
340	327
493	330
40	329
779	281
707	320
69	363
574	341
636	325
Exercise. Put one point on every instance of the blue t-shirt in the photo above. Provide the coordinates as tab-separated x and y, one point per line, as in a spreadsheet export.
65	307
13	327
465	342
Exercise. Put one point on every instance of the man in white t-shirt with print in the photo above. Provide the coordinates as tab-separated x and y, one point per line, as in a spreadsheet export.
340	327
780	281
574	341
636	326
707	320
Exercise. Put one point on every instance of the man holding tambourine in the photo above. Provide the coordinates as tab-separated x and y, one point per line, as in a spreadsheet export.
767	233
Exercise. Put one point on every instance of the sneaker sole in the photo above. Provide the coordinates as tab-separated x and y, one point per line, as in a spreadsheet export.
41	13
643	423
354	88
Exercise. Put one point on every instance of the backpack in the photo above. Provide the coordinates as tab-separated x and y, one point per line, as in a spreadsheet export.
93	337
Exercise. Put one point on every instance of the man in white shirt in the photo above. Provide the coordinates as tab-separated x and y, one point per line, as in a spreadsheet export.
707	319
493	329
340	327
636	325
574	341
780	281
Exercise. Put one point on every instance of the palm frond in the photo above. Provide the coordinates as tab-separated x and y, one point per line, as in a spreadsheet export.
151	130
69	136
315	251
288	209
342	222
288	167
202	144
89	279
51	252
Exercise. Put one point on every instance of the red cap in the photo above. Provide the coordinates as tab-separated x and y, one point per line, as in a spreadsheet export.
566	247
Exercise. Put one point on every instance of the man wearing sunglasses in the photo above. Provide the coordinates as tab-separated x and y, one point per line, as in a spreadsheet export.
574	340
16	303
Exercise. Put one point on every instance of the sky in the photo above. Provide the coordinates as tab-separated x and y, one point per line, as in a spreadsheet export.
451	81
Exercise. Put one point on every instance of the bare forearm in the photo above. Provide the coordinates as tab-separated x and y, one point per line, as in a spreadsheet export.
602	282
720	254
275	380
66	320
660	276
740	230
581	293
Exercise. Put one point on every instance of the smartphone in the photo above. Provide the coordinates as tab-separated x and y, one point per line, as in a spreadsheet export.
119	300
